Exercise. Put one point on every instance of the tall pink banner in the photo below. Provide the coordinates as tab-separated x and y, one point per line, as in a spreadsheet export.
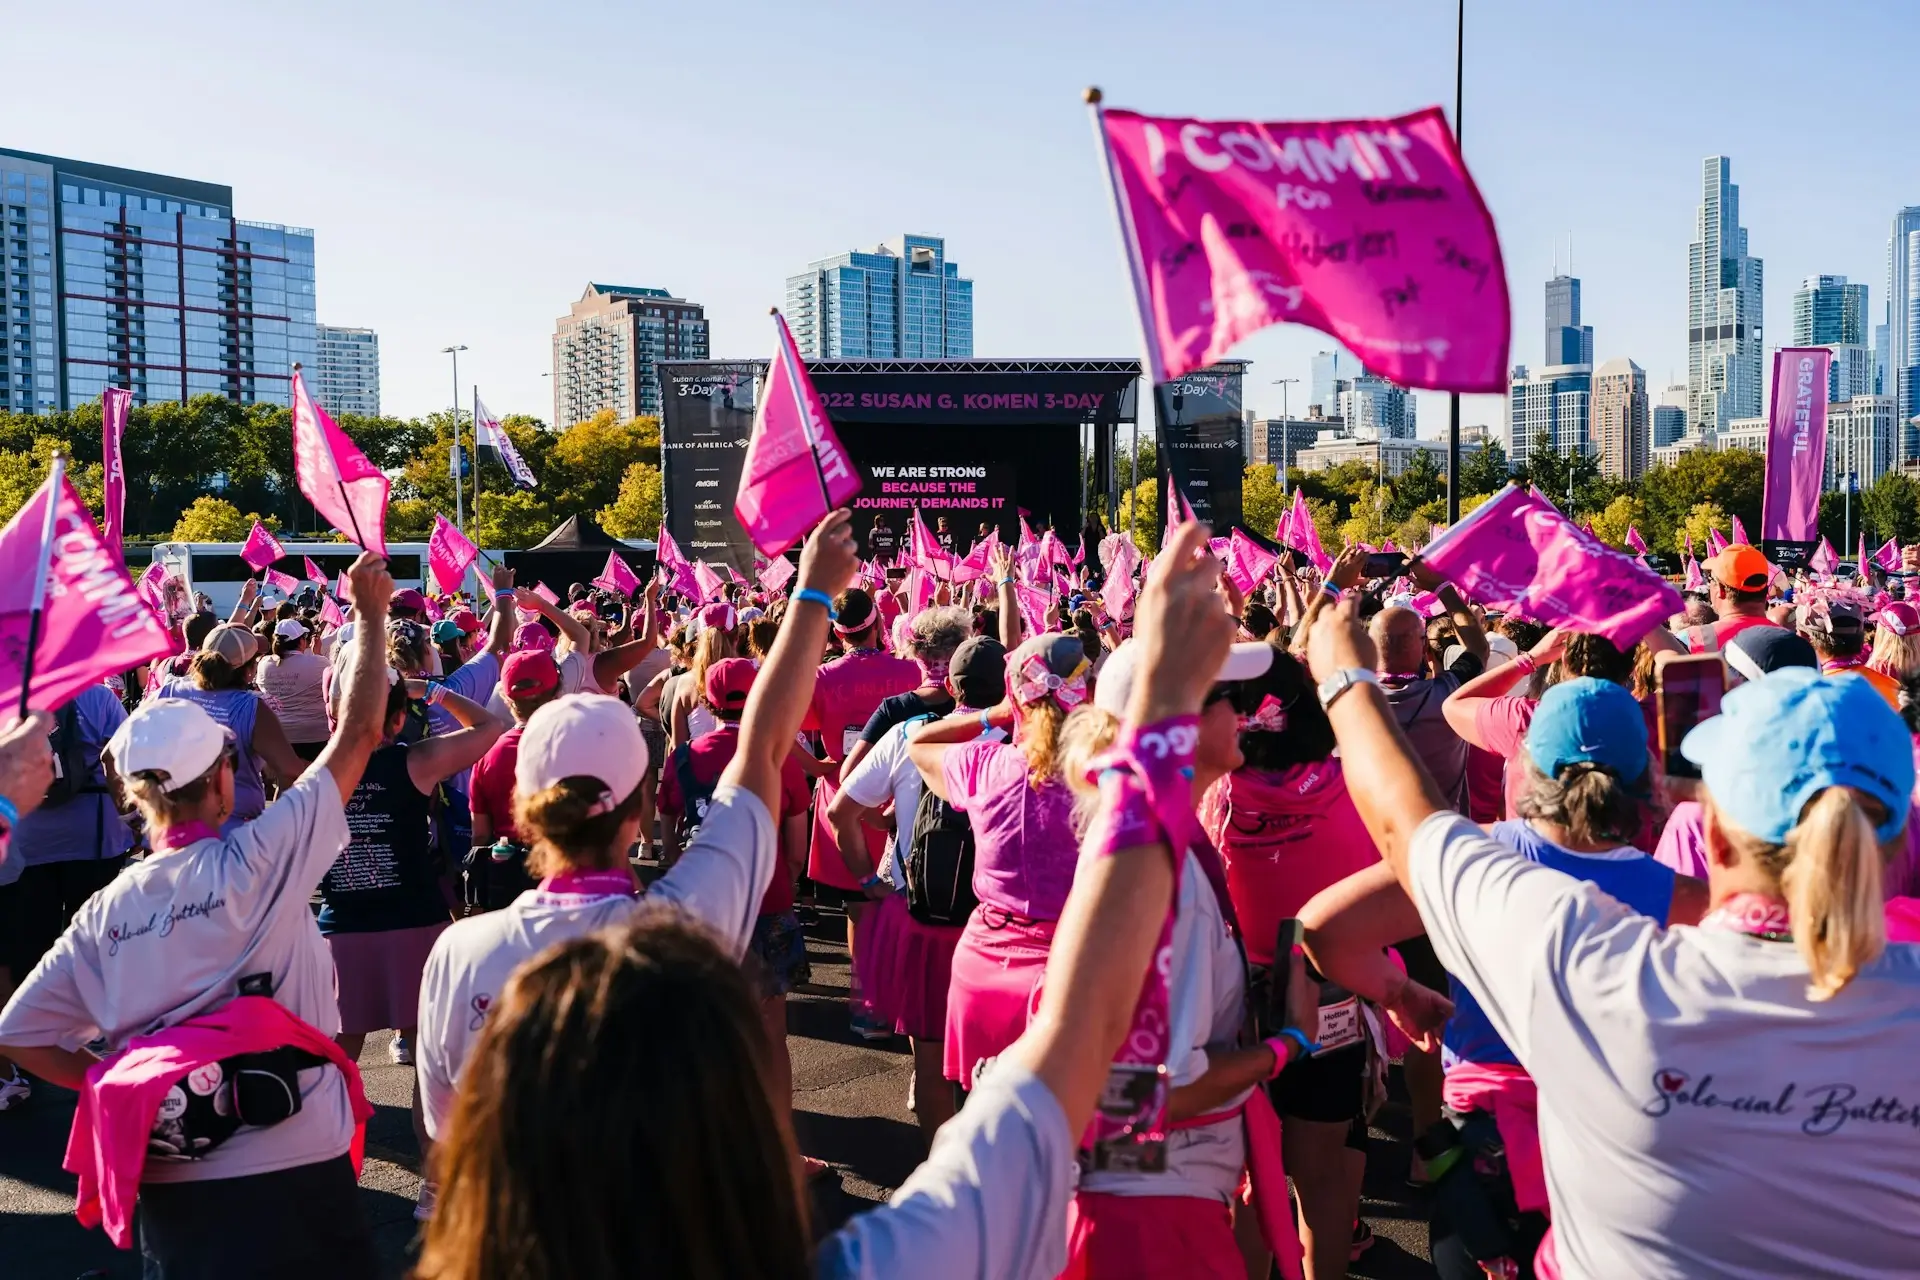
1369	230
336	477
796	470
114	402
1516	551
1796	445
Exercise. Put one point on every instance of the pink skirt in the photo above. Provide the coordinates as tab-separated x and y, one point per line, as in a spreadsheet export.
998	964
378	976
1113	1237
905	969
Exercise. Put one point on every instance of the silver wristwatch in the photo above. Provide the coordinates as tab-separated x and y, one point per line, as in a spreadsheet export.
1342	680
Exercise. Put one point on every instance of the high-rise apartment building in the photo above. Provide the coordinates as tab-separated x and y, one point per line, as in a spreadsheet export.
346	370
1556	400
114	277
1568	341
1620	427
1724	296
901	301
1903	323
606	348
1862	439
1826	309
1375	409
1330	371
1278	441
1669	415
1882	350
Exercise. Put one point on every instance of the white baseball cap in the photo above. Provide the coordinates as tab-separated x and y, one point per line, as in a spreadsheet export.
1114	685
172	739
289	629
583	735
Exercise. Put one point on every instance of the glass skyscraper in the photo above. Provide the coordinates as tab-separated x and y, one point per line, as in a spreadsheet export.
346	370
1826	309
1568	341
1724	294
902	301
113	277
1902	380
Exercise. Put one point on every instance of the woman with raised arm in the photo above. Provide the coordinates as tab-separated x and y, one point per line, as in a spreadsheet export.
629	1067
162	953
1755	1059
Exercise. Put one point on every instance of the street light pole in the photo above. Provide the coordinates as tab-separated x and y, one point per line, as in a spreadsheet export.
1459	133
459	504
1286	429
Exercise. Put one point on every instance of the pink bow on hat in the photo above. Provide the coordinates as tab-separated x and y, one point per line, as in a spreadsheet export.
1036	680
1269	717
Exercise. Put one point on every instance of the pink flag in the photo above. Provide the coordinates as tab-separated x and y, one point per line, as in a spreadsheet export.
1517	552
1369	230
1119	592
1860	559
336	477
285	583
795	470
151	588
330	613
679	569
618	576
778	572
1427	605
1033	604
1635	542
1248	563
340	588
315	574
114	402
1306	534
92	622
433	610
1823	560
923	548
261	548
1715	543
1080	552
920	588
1688	553
1796	446
449	554
1740	530
545	592
1888	556
707	582
1695	582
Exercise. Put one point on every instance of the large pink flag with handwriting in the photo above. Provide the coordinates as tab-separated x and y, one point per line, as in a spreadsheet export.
114	402
449	554
336	477
1369	230
795	470
776	574
93	621
261	548
1517	552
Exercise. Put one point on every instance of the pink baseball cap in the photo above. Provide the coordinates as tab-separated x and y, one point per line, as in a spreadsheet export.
532	636
719	615
529	673
729	681
408	598
1900	618
583	735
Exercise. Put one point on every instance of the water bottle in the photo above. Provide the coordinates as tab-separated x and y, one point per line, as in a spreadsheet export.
502	850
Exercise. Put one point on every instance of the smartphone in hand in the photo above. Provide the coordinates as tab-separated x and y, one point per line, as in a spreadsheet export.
1384	564
1687	690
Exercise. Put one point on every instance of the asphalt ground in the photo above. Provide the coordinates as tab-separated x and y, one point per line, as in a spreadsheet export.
850	1109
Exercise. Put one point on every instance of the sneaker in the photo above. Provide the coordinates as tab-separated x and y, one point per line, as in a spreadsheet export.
423	1207
15	1091
1362	1241
400	1051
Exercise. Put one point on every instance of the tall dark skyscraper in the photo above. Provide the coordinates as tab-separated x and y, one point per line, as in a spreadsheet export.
1568	341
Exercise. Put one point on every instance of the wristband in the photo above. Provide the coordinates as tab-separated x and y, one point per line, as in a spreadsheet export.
873	878
1148	776
1526	664
9	813
820	598
1006	582
435	693
1284	1057
505	594
986	721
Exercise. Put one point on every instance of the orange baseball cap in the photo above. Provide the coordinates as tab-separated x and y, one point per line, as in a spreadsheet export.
1740	567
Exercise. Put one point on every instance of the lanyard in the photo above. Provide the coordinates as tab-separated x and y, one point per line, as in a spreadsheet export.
1757	915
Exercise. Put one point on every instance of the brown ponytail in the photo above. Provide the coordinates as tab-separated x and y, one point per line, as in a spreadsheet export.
1085	734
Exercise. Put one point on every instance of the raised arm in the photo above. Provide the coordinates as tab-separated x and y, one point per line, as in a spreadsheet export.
610	664
780	695
433	761
1389	786
363	709
1462	707
1342	575
278	760
1000	568
501	619
1466	625
927	747
243	608
571	628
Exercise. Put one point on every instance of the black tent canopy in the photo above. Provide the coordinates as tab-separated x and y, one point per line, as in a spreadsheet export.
576	551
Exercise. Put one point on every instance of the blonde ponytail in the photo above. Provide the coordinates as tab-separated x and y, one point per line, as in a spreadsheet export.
1040	739
1087	732
1832	880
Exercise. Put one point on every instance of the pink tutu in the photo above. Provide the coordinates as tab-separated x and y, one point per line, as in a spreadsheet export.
1000	960
905	968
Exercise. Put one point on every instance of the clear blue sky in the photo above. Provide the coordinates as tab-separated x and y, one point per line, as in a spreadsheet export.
469	167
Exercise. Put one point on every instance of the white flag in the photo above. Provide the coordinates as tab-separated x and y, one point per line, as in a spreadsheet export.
490	435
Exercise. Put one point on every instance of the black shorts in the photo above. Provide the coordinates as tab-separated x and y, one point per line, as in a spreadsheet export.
1328	1087
826	895
290	1224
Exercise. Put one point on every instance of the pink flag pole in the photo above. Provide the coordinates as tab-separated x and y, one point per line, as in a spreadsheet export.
1129	240
40	569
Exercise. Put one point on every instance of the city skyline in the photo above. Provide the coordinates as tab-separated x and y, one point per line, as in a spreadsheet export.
1007	175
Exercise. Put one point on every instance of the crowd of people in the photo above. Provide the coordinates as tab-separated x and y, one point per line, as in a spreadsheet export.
1158	896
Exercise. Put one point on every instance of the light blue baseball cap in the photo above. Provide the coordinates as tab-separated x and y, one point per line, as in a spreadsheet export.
1781	740
1588	721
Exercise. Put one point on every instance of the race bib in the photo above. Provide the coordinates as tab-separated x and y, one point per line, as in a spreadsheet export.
1340	1025
849	738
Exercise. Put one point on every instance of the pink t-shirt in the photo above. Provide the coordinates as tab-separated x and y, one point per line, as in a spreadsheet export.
844	696
1284	836
1683	841
1024	848
1501	725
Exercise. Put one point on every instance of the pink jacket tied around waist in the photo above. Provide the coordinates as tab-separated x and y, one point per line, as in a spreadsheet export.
107	1149
1507	1093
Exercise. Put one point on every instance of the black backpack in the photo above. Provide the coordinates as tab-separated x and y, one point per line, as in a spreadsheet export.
694	798
939	863
72	769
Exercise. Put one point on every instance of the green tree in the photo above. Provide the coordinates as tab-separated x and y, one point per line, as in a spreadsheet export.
1261	502
511	520
212	519
1890	508
589	459
1699	524
1611	525
1423	481
1145	500
1483	470
635	512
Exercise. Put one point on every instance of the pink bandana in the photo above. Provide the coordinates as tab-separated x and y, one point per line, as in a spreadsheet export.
1035	680
1751	913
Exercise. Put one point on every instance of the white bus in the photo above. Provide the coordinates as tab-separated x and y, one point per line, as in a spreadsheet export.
215	569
